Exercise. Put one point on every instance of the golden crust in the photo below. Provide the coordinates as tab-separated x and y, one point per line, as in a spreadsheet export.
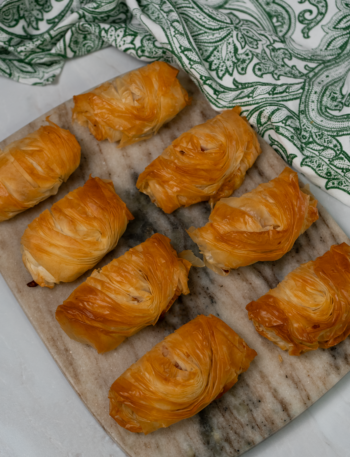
310	308
33	168
134	106
258	226
206	163
73	236
180	376
126	295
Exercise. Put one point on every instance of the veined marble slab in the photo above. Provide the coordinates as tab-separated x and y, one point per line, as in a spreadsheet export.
274	390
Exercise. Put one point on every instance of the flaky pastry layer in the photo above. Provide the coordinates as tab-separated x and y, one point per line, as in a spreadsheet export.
126	295
33	168
206	163
73	236
134	106
310	308
180	376
260	225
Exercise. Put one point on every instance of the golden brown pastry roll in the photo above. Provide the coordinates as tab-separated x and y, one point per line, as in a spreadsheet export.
206	163
260	225
33	168
180	376
126	295
310	308
73	236
134	106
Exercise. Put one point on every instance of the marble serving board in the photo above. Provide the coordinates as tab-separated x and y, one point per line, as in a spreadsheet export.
274	390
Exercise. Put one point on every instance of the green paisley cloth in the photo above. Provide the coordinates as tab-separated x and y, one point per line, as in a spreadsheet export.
286	63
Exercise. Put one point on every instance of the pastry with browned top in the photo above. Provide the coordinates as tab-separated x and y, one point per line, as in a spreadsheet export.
310	308
33	168
260	225
134	106
180	376
75	234
208	162
126	295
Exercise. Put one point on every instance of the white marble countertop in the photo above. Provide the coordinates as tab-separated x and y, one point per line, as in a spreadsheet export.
40	413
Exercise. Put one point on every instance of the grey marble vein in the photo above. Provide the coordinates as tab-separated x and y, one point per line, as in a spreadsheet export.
275	389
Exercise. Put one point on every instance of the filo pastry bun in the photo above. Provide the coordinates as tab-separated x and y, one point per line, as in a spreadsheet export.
75	234
180	376
33	168
260	225
208	162
134	106
126	295
310	308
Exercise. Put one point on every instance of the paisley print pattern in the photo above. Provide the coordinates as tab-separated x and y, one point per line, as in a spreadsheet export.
287	64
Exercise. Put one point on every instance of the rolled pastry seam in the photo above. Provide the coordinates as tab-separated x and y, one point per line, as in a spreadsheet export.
310	308
33	168
190	257
75	234
126	295
208	162
134	106
261	225
180	376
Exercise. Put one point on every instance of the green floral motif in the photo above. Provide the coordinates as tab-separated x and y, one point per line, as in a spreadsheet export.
287	64
274	63
282	151
306	17
83	40
150	50
31	11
